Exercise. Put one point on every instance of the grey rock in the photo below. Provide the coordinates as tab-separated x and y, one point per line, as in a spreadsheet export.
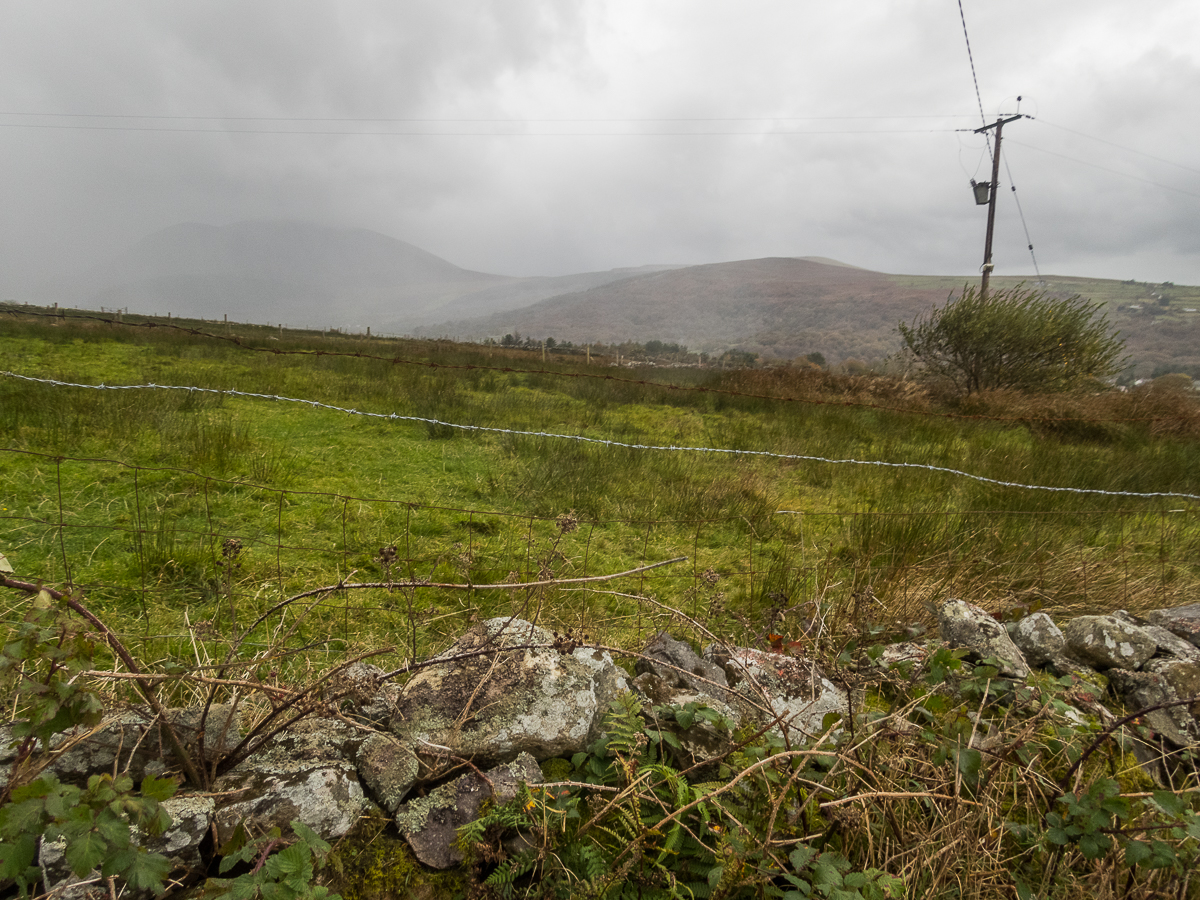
133	741
678	665
430	824
60	881
508	698
904	653
1128	618
312	738
1183	676
191	819
773	686
702	741
388	769
1063	664
363	695
970	627
305	772
1171	644
1038	638
1107	642
1183	621
1140	690
180	843
323	794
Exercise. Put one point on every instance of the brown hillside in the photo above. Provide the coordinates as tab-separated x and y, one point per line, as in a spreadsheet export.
779	307
782	308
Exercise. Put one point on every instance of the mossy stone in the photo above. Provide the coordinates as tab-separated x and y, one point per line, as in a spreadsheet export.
373	862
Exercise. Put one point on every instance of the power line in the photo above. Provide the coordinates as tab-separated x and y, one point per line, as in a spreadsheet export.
413	133
512	119
1156	184
1118	146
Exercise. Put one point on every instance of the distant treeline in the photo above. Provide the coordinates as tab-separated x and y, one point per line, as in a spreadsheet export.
654	351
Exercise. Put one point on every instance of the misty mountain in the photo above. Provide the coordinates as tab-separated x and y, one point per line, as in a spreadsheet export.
304	275
291	272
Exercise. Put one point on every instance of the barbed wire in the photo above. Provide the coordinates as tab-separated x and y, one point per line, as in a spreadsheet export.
767	454
554	373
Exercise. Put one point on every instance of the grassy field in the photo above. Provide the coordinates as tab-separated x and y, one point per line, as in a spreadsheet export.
184	514
214	530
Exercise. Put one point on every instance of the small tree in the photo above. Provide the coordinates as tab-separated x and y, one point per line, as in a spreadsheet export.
1017	338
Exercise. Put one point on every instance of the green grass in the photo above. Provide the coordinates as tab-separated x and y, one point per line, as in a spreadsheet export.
134	491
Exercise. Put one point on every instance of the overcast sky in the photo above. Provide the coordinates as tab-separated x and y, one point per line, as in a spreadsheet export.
534	137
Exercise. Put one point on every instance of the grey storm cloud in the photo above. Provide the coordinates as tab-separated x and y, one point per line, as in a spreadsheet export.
540	137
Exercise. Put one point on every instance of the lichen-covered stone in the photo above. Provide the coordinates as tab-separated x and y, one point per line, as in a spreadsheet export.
508	694
61	881
700	741
191	819
133	741
1171	644
1106	642
775	687
1142	690
1183	621
388	769
906	653
1184	677
312	738
430	824
678	665
1038	638
323	794
1063	664
970	627
363	695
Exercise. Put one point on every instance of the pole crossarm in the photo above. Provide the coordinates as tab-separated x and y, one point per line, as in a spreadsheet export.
999	123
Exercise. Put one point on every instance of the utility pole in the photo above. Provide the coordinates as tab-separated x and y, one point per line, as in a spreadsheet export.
995	189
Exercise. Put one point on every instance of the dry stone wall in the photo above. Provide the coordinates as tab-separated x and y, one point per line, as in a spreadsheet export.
509	695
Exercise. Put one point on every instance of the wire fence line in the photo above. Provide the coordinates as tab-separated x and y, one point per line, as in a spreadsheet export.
242	344
793	457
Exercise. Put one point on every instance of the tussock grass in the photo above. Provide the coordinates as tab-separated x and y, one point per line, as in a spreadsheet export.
314	494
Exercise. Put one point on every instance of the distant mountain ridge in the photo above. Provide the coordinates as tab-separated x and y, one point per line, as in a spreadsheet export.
307	275
293	272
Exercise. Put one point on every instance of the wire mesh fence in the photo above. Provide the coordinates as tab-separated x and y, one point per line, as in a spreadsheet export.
176	557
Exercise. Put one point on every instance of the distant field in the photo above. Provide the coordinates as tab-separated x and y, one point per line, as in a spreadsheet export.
1160	322
135	493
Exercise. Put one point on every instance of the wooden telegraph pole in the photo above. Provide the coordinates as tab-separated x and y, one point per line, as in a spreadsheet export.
995	188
